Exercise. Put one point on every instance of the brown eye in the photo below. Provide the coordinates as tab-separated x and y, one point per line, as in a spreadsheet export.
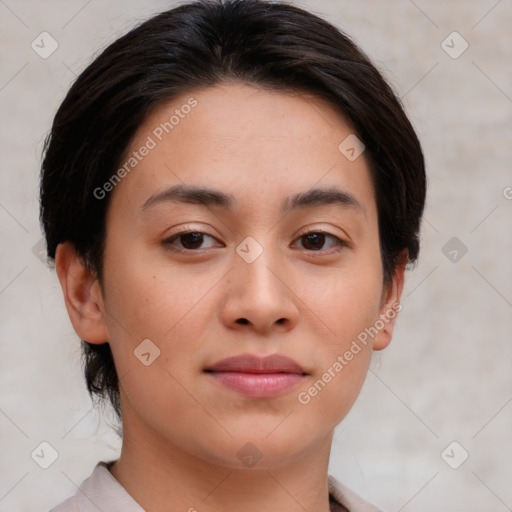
191	240
313	241
316	240
188	241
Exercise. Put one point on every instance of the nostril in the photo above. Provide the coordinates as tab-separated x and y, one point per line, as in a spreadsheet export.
243	321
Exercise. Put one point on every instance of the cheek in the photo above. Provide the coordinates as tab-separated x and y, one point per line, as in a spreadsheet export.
331	393
158	302
342	353
345	301
156	321
345	306
150	298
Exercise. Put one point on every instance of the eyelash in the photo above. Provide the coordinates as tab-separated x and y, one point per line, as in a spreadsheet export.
168	241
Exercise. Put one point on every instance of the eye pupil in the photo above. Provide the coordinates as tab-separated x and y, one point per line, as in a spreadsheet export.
313	239
191	239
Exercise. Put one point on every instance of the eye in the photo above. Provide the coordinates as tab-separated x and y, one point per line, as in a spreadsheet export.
315	240
192	241
189	240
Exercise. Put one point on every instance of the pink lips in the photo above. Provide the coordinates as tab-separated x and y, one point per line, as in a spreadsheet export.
257	377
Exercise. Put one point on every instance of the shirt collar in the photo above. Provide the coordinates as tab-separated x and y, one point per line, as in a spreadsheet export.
101	492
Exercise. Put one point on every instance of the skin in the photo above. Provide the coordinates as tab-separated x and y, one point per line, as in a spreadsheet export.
182	430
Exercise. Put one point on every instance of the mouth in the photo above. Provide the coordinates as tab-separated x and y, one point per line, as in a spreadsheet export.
257	377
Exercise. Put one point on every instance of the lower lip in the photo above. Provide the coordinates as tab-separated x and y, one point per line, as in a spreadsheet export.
258	385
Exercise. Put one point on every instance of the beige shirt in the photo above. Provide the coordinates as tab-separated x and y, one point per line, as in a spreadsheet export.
101	492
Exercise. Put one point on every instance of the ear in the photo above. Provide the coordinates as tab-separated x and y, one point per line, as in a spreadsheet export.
82	295
390	304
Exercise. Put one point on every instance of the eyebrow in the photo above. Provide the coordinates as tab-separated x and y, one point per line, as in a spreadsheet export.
204	196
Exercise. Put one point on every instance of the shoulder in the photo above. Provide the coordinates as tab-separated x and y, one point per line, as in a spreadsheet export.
101	491
348	498
69	505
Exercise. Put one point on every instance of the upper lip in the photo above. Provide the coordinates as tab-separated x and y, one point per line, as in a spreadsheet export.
248	363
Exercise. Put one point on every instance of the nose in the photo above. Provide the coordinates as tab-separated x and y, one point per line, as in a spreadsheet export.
260	296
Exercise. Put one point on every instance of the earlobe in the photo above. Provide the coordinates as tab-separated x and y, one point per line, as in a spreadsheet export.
82	295
391	305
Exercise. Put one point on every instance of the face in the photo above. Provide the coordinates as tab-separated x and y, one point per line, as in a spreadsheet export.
280	257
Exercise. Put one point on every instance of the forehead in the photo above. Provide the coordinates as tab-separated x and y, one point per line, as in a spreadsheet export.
256	145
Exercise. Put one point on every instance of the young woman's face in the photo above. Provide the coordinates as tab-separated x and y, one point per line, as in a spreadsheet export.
282	258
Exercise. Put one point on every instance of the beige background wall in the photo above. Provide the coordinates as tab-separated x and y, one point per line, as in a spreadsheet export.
447	375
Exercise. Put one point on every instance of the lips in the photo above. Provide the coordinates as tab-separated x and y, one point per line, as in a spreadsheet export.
254	364
257	377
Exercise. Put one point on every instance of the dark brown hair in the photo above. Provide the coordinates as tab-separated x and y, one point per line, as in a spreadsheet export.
271	44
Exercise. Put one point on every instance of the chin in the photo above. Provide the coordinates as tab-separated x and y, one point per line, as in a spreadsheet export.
260	450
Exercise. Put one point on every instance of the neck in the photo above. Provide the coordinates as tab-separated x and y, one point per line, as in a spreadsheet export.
158	473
